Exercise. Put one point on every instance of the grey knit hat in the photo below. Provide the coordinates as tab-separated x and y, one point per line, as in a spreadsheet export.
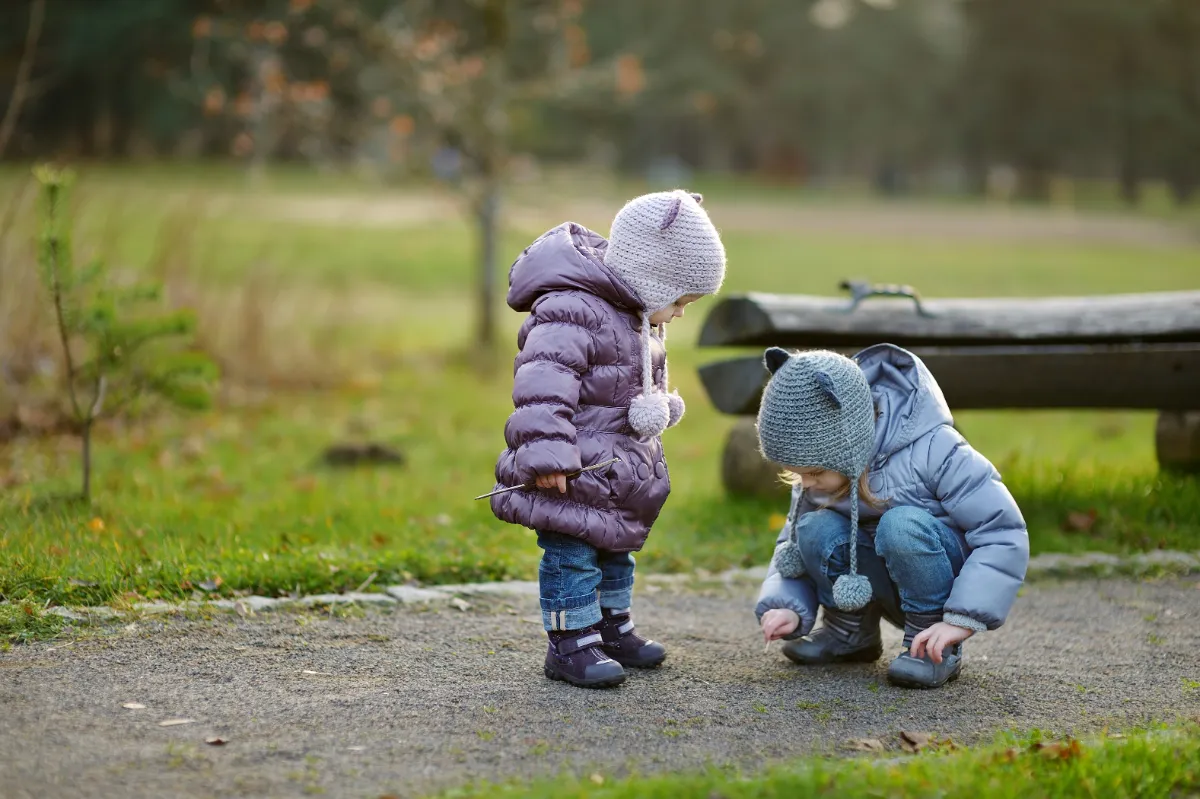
665	247
817	411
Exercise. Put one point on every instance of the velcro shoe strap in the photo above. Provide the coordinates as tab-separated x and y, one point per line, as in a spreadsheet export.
626	628
570	646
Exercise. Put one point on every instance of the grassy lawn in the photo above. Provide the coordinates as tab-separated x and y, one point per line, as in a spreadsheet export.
237	493
1159	763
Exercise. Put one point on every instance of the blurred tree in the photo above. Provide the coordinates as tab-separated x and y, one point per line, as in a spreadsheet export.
114	349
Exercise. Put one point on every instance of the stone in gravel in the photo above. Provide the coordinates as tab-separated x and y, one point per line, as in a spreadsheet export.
506	588
343	599
257	603
407	594
66	613
1173	562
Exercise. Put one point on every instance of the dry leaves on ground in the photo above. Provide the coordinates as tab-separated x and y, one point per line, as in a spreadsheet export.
865	745
1080	522
914	741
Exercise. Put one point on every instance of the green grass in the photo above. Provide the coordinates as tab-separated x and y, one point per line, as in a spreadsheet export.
21	622
235	493
1157	763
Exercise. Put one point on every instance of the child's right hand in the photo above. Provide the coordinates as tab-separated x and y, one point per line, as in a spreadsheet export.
779	622
548	481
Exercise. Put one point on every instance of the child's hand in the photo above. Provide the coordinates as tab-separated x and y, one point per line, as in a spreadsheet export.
548	481
937	638
778	623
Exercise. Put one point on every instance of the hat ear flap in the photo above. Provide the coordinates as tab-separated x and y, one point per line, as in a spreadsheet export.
825	382
774	359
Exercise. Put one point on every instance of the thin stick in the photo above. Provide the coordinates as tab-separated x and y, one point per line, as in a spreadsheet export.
591	468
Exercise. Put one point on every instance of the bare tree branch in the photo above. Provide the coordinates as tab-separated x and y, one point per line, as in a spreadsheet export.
37	15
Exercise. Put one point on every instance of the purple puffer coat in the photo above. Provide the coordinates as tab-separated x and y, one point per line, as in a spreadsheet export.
578	369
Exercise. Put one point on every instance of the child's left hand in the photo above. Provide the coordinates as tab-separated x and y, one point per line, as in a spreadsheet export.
937	638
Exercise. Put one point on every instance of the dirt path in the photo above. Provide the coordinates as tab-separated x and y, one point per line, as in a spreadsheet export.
894	222
411	701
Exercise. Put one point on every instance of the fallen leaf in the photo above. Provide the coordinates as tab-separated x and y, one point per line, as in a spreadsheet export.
96	524
242	609
1009	755
1059	750
214	741
305	483
597	779
914	741
1080	522
133	706
865	744
461	604
175	722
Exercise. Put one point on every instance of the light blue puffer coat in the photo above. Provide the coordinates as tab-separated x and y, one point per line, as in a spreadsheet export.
921	461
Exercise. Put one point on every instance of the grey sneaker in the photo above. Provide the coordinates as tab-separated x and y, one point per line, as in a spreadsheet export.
844	638
907	671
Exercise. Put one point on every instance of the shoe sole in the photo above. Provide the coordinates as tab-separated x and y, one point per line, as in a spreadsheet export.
900	682
649	664
611	682
862	656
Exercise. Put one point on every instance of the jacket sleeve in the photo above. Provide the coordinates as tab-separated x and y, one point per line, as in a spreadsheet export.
797	594
970	490
556	352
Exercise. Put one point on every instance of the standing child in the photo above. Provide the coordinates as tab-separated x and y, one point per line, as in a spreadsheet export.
591	385
942	548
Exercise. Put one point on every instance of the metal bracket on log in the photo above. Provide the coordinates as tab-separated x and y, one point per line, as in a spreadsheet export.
861	290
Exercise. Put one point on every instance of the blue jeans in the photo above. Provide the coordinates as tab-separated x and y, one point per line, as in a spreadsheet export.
576	580
911	560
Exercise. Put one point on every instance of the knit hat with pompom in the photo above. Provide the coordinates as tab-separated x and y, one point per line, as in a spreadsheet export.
817	412
664	246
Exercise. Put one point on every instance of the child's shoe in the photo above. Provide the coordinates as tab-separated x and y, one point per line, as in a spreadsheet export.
844	638
907	671
576	656
624	645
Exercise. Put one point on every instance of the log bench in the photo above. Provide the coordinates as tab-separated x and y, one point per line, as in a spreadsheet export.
1131	351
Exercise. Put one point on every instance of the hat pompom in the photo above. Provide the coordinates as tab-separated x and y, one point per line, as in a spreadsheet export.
677	408
649	414
789	561
852	592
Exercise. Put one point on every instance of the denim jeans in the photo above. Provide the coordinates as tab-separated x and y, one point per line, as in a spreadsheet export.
911	560
576	580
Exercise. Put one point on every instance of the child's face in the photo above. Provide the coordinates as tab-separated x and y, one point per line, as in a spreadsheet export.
822	480
673	311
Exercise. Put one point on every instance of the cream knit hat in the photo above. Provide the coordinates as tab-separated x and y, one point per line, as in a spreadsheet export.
665	247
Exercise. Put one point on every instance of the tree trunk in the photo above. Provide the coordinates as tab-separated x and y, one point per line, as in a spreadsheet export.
1130	168
486	216
86	435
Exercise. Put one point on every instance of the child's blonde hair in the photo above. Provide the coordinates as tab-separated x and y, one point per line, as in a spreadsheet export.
793	478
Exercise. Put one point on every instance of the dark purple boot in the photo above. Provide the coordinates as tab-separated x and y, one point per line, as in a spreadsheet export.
575	656
624	645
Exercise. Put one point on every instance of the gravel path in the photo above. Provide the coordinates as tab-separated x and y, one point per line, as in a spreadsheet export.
416	700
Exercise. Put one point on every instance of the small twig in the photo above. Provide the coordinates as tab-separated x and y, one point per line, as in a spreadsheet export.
101	389
367	582
37	15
